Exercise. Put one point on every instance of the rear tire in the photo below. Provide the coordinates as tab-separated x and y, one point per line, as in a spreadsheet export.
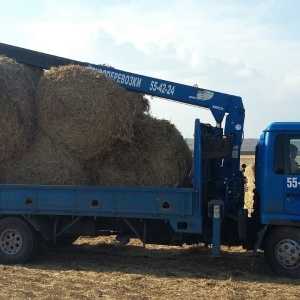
282	251
18	241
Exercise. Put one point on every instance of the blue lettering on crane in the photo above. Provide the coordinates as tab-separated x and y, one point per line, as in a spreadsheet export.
129	80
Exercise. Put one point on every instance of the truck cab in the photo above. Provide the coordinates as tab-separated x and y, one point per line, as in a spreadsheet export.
277	195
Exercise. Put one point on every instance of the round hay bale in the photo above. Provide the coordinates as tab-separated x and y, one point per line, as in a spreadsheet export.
84	110
158	156
17	88
44	163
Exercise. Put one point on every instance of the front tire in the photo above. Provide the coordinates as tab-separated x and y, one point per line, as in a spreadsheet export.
18	241
282	251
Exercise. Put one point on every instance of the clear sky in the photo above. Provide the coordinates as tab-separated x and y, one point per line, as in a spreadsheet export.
248	48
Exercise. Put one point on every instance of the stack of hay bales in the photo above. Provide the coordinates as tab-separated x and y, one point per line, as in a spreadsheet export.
84	129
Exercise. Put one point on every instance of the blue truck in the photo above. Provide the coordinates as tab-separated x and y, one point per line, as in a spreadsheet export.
211	211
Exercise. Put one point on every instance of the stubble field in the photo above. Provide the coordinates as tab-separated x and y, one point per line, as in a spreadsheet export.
92	268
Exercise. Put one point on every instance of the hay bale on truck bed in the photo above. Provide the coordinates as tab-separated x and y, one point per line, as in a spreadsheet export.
45	162
158	156
17	89
84	110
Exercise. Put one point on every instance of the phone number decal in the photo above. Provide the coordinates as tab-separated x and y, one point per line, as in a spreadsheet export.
163	88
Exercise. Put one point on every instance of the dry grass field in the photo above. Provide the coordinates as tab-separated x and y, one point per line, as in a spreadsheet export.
248	160
92	268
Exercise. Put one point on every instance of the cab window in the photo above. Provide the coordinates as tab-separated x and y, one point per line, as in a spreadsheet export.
294	155
287	154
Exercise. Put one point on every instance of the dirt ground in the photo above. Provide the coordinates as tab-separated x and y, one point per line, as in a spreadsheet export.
92	268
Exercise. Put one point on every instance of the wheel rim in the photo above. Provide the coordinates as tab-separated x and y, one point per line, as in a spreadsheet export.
288	253
10	241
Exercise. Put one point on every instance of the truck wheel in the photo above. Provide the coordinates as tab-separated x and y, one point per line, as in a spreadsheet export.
18	241
282	251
